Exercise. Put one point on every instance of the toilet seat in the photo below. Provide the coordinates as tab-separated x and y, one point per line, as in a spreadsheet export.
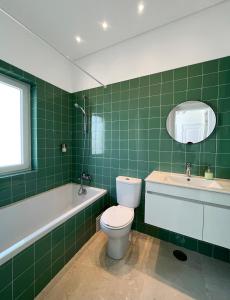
117	217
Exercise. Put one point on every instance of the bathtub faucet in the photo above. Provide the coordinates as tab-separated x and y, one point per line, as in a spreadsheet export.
188	169
82	190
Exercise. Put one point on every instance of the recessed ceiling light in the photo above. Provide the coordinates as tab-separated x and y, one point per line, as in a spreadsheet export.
104	25
78	39
141	7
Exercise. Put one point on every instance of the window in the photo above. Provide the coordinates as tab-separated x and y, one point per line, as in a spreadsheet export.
15	145
98	135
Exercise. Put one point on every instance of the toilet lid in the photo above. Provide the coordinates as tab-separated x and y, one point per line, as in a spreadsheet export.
117	216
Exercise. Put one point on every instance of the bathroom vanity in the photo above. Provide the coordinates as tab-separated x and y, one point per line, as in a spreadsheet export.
193	206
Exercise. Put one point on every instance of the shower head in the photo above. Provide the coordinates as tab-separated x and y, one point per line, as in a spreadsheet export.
78	106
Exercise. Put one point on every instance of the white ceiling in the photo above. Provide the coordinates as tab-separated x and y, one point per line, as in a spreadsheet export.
58	22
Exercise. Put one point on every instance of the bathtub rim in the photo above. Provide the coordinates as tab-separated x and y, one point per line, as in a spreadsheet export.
24	243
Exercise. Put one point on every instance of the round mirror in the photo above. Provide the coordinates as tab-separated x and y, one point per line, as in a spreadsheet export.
191	122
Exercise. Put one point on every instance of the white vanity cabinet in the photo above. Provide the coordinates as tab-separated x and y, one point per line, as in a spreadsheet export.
197	208
217	225
175	214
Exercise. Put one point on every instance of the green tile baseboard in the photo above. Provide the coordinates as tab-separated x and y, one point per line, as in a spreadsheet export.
27	273
180	240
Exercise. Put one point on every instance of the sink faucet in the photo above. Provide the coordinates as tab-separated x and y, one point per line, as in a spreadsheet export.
82	190
188	169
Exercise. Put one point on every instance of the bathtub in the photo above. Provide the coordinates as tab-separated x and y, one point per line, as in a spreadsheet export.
23	223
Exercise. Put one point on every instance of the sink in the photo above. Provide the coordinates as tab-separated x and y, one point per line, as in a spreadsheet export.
194	182
178	179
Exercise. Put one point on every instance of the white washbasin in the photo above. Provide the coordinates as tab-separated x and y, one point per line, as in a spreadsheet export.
195	182
192	181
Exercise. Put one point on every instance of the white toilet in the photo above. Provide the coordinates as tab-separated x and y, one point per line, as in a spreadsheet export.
116	221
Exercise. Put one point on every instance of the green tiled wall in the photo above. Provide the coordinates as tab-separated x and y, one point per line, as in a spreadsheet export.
25	275
136	142
51	126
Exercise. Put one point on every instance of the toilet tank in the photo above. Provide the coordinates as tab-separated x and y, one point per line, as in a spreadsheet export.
128	191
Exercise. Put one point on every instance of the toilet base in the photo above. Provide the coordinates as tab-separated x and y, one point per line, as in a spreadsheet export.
117	247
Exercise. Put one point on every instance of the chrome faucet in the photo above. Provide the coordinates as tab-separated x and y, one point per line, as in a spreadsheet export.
188	169
82	190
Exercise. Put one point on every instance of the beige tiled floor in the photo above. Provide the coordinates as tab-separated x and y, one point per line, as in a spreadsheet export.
148	271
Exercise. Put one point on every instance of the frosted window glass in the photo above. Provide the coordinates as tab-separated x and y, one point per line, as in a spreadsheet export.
10	126
15	148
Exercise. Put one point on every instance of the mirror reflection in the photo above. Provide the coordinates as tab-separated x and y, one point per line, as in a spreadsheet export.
191	122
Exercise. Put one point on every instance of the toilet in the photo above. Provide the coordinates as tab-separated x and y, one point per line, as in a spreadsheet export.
116	221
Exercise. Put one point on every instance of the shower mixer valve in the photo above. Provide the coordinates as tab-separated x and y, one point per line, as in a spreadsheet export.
86	177
82	190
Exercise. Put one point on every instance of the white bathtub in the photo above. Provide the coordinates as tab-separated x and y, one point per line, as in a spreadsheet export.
22	223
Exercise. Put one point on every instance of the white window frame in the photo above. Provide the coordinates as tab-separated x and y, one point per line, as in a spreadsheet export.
25	126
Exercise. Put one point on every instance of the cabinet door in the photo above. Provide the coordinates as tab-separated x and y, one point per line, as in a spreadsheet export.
217	225
174	214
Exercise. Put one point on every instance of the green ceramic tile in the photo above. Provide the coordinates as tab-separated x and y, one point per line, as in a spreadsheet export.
6	293
210	93
43	280
124	85
224	91
70	225
154	100
58	251
5	274
167	76
223	159
191	243
23	261
163	234
178	157
205	248
155	78
194	94
70	239
167	87
155	89
210	66
195	70
42	246
225	63
167	99
42	264
224	105
223	146
144	81
180	73
58	265
5	191
72	250
177	239
180	85
211	79
195	82
221	253
22	282
180	97
28	294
